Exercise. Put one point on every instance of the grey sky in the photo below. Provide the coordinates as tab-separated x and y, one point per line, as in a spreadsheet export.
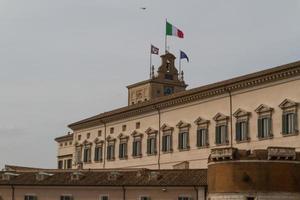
64	60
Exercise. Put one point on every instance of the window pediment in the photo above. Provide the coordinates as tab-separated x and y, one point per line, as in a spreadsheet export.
201	121
98	141
182	124
122	136
287	103
109	138
263	109
241	113
220	117
150	131
86	143
166	127
136	134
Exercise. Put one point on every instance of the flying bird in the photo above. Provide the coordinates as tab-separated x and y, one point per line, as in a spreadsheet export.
143	8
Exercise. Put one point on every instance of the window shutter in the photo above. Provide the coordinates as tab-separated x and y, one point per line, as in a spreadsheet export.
120	151
148	146
164	143
226	134
198	138
217	135
270	126
171	142
259	127
134	148
284	122
238	131
295	122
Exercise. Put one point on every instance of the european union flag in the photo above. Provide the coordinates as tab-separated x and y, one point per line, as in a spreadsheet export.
183	56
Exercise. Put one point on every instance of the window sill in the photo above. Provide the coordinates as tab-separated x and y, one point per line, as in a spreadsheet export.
124	158
113	159
223	144
88	162
185	149
98	161
266	138
139	156
151	154
166	152
290	134
243	141
203	147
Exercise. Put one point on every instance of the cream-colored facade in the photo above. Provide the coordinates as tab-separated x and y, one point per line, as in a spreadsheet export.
248	98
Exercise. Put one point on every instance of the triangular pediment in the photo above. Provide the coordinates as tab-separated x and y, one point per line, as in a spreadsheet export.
241	113
136	133
200	120
150	131
122	136
220	116
183	124
110	138
97	141
263	108
166	127
287	103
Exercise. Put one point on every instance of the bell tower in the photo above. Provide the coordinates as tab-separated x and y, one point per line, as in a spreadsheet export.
166	82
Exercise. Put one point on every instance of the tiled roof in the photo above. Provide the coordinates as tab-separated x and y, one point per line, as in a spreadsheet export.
137	177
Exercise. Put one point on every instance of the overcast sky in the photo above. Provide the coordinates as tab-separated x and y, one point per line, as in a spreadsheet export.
64	60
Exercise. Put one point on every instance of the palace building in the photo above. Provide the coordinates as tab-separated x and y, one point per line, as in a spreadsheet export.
234	139
166	126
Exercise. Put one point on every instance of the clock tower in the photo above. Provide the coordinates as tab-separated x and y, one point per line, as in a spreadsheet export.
166	82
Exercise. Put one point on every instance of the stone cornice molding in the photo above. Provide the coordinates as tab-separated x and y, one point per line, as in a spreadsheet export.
136	133
110	139
263	109
241	113
287	103
166	127
122	136
215	89
200	121
220	117
150	131
98	141
182	124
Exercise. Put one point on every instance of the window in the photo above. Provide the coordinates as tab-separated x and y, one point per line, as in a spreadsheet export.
78	155
183	136
60	164
99	133
124	128
289	121
264	121
169	76
69	163
221	134
151	145
30	197
264	127
79	137
88	135
111	151
98	153
104	197
202	137
250	198
111	130
138	125
241	128
137	147
144	198
167	143
66	197
123	150
87	154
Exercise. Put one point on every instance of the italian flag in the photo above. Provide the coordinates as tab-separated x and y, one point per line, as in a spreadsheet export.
172	30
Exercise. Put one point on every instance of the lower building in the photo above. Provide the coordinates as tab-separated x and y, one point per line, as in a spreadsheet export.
260	174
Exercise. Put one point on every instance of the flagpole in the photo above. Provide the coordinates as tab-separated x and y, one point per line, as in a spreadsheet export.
166	37
179	66
150	61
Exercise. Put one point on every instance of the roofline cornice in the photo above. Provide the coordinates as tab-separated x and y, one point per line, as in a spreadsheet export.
203	92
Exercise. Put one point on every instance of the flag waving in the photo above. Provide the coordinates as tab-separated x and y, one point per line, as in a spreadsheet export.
173	31
183	56
154	50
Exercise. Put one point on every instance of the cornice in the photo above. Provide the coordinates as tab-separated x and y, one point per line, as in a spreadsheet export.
203	92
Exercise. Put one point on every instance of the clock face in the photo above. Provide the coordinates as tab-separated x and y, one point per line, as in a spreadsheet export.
168	90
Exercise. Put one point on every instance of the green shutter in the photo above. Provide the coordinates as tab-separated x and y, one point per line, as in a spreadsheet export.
259	128
270	126
237	131
198	138
284	123
148	146
217	135
295	122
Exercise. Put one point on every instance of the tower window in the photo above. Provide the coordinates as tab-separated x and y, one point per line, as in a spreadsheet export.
169	76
